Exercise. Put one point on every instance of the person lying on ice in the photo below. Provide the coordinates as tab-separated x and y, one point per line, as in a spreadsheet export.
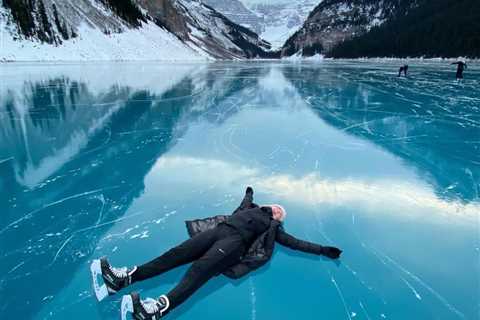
230	244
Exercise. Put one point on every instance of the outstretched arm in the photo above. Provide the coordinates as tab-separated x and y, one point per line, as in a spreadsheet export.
247	200
296	244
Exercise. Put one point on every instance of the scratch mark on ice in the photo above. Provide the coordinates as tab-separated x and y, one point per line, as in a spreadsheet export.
45	206
100	215
341	296
411	288
17	266
421	282
253	300
61	248
364	310
5	160
426	286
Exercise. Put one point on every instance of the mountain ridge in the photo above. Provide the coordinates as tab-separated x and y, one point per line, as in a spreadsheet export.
334	21
389	28
443	28
108	29
274	21
194	30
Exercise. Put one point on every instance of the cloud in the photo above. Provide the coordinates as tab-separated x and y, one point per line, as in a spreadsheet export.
394	196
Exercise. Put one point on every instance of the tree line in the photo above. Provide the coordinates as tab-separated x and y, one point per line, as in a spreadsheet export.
437	28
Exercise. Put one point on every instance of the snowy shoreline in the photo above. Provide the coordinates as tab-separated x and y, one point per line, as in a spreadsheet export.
320	57
200	61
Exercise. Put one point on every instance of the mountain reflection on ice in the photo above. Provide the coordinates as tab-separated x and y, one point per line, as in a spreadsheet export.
111	159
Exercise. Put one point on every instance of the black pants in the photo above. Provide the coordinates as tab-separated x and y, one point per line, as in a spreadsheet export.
211	252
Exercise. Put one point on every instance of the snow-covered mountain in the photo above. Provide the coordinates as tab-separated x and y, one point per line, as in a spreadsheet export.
203	27
334	21
236	11
52	30
281	18
274	20
430	29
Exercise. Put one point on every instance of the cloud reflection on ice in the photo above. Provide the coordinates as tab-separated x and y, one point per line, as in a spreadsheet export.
400	197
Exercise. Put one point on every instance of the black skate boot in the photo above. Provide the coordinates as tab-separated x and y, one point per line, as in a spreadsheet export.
108	280
148	309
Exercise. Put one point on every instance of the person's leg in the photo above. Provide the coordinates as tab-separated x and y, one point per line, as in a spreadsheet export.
186	252
222	255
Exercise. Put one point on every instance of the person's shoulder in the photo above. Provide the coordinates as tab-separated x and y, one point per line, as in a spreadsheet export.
266	209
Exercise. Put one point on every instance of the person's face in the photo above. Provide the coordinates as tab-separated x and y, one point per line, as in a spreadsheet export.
277	213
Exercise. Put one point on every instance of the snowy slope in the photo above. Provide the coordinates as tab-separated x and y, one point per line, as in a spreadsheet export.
78	30
92	42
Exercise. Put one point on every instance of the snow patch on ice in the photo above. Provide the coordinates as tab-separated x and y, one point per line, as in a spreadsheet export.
299	58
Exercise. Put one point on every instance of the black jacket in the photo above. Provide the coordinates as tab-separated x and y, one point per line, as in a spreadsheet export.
251	222
258	230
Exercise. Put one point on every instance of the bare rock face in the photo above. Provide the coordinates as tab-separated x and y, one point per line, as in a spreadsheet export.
165	13
204	28
334	21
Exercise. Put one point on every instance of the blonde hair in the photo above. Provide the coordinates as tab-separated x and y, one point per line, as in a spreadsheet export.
284	212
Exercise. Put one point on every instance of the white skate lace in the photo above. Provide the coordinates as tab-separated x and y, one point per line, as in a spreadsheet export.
122	272
119	272
152	306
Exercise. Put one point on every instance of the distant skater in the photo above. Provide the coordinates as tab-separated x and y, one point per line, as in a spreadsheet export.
230	244
403	69
460	67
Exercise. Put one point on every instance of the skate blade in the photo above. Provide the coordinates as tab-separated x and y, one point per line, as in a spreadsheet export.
99	286
127	306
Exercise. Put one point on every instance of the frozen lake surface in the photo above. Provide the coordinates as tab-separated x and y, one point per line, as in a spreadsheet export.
111	159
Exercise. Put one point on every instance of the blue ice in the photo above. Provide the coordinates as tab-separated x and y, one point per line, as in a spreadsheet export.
110	159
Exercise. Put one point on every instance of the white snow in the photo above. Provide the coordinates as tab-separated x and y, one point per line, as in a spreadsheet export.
277	34
299	58
281	18
265	2
149	42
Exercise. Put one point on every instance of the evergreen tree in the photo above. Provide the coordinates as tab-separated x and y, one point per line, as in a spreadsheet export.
62	28
446	28
45	32
312	49
127	10
22	14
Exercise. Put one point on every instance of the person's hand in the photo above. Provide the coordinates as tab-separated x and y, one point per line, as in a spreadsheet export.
331	252
249	190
